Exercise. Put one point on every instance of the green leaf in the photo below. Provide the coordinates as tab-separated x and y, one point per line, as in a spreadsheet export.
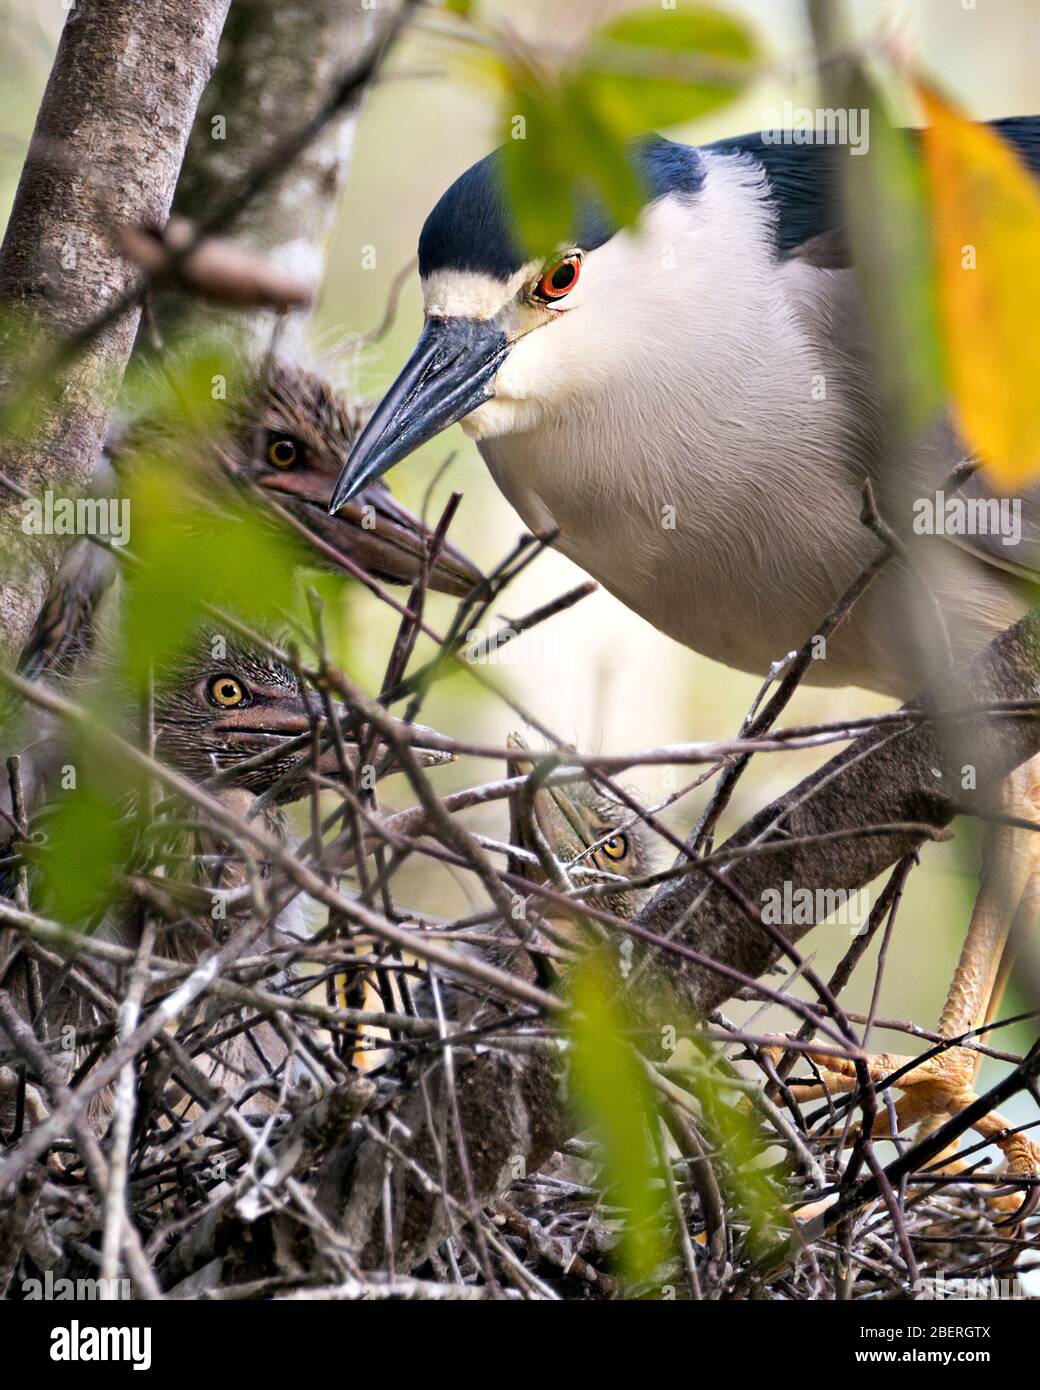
567	133
607	169
659	67
613	1097
86	838
892	248
192	552
537	163
737	1137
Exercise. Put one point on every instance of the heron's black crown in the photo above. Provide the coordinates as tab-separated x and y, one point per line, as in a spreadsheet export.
472	227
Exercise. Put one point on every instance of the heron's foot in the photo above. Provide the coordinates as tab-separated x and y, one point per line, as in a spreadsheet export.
931	1092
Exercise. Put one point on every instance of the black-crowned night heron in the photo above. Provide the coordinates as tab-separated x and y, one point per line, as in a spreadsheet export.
286	436
692	405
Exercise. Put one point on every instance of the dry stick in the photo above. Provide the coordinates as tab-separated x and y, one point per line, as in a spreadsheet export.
479	651
20	821
866	1084
408	629
400	655
675	1202
449	645
930	1147
169	972
204	974
449	831
459	1137
728	854
873	782
97	1169
887	905
663	944
555	1251
117	1215
903	1025
275	852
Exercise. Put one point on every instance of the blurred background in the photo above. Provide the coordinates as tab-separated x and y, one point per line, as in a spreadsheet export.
597	676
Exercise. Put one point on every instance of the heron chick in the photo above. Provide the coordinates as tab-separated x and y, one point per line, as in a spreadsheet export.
224	710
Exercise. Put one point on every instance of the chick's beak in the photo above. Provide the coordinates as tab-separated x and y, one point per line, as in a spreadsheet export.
448	375
374	531
270	726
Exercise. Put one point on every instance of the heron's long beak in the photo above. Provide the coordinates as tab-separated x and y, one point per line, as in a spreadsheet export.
448	375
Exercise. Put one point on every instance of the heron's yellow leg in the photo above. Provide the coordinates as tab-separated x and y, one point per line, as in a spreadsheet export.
1007	905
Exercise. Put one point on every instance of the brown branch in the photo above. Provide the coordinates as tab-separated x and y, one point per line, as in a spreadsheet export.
877	780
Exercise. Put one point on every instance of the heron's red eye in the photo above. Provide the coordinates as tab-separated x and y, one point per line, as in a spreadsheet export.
559	278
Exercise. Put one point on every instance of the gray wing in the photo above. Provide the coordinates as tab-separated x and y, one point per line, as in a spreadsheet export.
810	232
1005	530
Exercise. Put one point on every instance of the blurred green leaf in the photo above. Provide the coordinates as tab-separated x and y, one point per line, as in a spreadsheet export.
567	132
196	538
659	67
614	1098
537	162
191	553
86	838
736	1134
189	396
892	248
608	172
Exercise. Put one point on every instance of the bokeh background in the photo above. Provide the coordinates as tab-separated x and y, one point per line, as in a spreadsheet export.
598	676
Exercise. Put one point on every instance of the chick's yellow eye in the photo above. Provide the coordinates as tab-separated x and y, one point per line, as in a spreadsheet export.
615	848
282	451
226	691
559	278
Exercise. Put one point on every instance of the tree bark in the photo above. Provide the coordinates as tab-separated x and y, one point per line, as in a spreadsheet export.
107	147
278	60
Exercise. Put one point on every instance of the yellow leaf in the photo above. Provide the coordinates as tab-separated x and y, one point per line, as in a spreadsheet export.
986	226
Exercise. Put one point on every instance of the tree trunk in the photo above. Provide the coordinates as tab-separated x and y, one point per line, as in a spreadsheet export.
107	147
278	62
